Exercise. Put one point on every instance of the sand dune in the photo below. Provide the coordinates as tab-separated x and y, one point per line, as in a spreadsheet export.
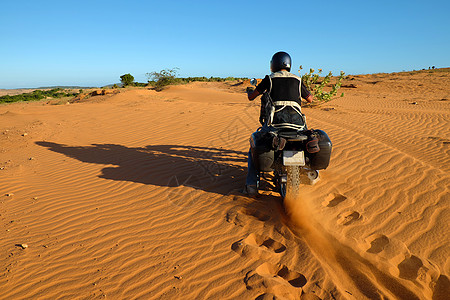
136	195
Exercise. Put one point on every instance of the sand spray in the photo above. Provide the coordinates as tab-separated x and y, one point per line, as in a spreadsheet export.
353	275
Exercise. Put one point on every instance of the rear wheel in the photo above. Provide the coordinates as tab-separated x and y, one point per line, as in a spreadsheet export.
292	185
283	189
279	181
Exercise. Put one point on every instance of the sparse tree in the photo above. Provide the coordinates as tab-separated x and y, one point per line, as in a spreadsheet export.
127	79
163	78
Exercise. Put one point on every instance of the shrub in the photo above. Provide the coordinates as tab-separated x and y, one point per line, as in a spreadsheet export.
313	84
163	78
159	80
126	79
37	95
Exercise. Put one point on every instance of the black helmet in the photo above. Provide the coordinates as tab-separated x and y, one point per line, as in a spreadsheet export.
280	60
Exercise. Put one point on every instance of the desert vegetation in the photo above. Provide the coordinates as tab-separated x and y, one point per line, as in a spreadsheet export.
316	84
127	79
160	80
38	95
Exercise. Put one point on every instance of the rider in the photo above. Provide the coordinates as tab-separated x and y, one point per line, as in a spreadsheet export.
281	86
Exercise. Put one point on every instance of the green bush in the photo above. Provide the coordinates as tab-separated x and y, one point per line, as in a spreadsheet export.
37	95
159	80
126	79
163	78
313	83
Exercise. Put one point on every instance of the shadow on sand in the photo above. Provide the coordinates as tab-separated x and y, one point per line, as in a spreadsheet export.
210	169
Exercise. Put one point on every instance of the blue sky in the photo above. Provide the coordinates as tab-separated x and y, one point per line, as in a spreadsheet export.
92	43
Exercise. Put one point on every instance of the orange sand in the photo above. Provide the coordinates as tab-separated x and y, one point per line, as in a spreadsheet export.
136	196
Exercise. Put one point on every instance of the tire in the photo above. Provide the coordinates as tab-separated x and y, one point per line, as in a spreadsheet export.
293	181
280	186
283	190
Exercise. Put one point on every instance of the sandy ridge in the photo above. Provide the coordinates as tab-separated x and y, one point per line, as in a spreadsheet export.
136	196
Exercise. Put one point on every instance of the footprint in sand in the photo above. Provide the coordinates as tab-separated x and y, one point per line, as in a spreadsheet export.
333	199
270	296
309	296
241	216
258	246
271	277
273	245
348	217
441	287
377	243
257	215
409	267
412	268
266	296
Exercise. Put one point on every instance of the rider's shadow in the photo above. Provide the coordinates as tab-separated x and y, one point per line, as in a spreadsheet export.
210	169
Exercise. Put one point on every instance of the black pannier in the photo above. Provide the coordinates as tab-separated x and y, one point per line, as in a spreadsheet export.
262	152
320	159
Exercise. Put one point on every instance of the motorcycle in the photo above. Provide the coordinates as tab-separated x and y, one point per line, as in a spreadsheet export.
290	150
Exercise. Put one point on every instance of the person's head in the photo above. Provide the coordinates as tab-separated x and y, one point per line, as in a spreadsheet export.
280	61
